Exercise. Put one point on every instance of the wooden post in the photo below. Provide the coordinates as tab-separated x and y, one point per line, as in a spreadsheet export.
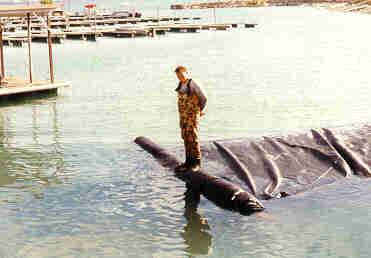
51	67
95	22
2	53
67	19
29	45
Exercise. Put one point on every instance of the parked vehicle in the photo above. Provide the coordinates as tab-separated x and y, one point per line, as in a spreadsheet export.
126	12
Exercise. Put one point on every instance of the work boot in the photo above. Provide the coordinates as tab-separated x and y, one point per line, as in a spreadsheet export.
184	166
195	165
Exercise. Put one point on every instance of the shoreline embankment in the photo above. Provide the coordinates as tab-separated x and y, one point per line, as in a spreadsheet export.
352	6
219	4
363	6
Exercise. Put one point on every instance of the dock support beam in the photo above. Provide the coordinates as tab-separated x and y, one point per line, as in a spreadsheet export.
29	45
51	67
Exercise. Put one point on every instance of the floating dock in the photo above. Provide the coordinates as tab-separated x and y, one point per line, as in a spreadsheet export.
82	27
13	86
17	39
85	21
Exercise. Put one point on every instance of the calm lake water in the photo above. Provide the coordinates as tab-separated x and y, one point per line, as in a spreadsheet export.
73	183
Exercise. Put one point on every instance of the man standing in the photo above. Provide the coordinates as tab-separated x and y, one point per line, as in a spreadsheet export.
191	103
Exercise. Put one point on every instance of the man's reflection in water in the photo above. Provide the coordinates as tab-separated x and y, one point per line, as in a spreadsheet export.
197	239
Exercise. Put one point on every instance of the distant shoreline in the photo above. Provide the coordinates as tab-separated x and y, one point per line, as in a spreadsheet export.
332	6
335	5
345	7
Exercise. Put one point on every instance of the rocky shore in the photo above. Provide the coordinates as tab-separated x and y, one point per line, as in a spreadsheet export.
219	4
349	6
335	5
363	6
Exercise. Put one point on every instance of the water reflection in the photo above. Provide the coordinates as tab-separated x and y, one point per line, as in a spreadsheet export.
196	237
26	169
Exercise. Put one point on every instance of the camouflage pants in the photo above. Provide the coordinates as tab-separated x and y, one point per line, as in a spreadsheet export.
191	143
189	118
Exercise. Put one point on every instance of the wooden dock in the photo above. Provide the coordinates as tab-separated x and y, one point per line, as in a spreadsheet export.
16	86
90	35
85	21
130	32
16	39
13	86
82	27
43	37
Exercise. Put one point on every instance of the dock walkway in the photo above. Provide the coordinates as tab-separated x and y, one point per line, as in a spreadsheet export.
17	86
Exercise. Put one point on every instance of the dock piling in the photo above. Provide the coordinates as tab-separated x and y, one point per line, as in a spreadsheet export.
51	67
2	53
29	45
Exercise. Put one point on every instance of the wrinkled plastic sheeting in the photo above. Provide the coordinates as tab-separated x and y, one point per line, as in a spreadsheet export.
304	160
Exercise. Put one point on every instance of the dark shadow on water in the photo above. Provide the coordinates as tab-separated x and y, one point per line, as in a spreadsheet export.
24	98
196	236
196	233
